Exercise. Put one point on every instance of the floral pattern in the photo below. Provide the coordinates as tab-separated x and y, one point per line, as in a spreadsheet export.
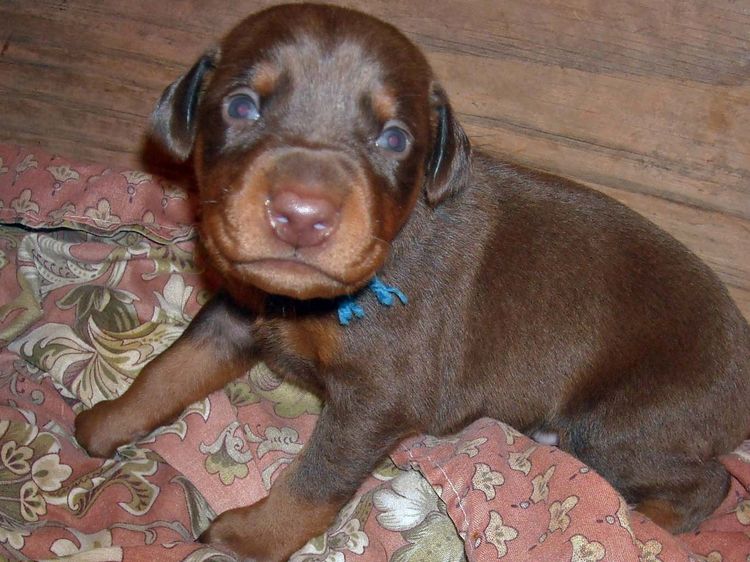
30	469
98	278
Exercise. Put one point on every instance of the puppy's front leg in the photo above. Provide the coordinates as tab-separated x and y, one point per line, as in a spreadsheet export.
215	348
348	442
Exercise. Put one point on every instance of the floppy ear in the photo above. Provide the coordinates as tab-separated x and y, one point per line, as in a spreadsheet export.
450	159
173	120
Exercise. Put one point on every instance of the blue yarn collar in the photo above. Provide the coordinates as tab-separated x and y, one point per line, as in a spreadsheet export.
349	308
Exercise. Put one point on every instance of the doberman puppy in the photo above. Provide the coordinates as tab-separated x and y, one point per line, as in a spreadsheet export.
333	174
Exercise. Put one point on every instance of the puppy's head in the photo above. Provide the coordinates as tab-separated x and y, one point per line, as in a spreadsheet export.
314	131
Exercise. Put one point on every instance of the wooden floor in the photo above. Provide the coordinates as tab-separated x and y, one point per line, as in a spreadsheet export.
647	101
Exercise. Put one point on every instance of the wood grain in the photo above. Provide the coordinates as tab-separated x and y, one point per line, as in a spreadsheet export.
646	101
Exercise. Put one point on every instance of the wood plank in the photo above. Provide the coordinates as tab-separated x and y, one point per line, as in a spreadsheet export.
647	101
690	141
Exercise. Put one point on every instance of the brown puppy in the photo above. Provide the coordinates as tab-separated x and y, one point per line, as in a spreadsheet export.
326	153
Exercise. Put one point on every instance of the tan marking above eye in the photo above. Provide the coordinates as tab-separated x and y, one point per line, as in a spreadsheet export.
384	104
265	78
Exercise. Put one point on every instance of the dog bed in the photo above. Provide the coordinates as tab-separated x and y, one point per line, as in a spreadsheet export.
97	277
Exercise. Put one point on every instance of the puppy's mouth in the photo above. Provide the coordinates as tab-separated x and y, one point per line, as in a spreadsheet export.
282	270
294	278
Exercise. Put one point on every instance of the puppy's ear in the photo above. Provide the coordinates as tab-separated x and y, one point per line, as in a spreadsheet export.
173	120
450	159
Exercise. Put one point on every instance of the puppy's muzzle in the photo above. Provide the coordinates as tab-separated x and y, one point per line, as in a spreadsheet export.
299	222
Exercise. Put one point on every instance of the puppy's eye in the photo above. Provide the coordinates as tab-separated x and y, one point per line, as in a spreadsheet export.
394	139
242	106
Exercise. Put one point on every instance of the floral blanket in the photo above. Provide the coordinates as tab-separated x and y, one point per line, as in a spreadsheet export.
97	277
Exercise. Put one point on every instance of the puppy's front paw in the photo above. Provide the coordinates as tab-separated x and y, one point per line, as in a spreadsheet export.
100	431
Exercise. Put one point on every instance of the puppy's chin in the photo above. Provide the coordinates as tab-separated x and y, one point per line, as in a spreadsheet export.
294	279
337	268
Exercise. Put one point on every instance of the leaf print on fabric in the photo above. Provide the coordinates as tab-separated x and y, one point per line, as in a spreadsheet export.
387	470
102	214
134	179
31	502
208	554
200	513
227	455
110	309
471	448
15	458
485	479
743	512
137	177
350	537
623	517
559	518
345	535
585	551
407	503
130	473
25	309
266	475
58	216
30	470
179	427
24	204
240	393
48	263
61	175
434	540
100	370
14	538
650	551
520	461
27	163
541	485
173	301
285	439
171	191
498	534
66	547
167	259
290	401
511	433
48	473
432	441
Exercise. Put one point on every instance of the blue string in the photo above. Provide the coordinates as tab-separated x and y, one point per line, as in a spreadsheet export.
349	309
384	293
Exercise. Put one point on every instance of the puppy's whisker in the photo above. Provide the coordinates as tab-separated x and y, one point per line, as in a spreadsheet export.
381	240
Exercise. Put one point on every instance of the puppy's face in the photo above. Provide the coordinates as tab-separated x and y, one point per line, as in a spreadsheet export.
314	130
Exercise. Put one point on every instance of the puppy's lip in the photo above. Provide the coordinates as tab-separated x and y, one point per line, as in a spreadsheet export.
294	278
286	265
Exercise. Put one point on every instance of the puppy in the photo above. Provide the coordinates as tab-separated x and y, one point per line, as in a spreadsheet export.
334	176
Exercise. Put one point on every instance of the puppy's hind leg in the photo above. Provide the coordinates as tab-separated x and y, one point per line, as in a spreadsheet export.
660	467
679	504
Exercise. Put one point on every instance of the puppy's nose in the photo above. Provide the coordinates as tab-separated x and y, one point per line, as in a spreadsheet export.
302	219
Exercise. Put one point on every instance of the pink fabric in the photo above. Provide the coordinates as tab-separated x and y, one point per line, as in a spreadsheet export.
99	279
